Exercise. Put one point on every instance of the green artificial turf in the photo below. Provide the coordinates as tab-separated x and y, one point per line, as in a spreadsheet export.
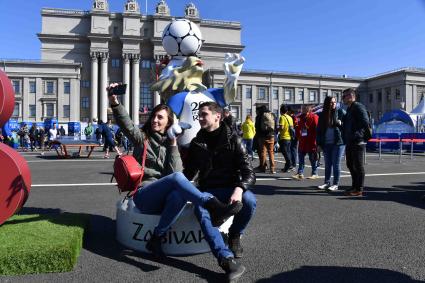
41	243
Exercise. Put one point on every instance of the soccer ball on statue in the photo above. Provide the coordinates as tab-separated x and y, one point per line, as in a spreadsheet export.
181	37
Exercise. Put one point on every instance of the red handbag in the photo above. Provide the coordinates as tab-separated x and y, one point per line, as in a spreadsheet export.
128	173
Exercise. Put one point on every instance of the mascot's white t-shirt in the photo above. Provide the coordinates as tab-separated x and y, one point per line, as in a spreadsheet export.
186	106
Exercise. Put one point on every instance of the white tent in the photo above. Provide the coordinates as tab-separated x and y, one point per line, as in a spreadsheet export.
420	108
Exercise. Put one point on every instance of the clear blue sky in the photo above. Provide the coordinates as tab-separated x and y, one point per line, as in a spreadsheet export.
357	37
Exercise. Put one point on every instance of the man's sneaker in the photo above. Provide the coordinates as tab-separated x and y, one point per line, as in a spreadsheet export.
232	268
235	245
298	177
333	188
273	171
323	187
313	177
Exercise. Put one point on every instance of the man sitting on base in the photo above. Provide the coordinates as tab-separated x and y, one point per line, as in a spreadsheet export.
217	155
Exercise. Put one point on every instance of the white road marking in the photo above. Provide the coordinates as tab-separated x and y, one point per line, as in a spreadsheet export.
321	168
70	160
74	185
258	179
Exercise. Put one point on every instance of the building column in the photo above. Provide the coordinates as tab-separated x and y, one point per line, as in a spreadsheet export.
93	84
126	80
103	85
135	83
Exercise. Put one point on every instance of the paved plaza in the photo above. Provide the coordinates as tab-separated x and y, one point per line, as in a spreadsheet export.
299	234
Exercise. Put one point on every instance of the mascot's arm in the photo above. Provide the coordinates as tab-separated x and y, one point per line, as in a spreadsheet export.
232	68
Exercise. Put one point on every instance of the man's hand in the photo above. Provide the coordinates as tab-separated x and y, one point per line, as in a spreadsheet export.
237	195
113	99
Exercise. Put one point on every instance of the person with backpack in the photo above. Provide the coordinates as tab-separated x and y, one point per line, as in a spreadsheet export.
357	131
306	134
286	135
329	139
164	189
265	129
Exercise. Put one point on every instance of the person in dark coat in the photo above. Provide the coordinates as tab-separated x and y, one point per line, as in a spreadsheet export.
356	124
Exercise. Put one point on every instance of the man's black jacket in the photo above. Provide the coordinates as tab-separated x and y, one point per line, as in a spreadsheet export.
227	166
355	123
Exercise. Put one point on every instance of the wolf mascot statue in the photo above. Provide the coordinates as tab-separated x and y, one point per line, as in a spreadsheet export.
183	76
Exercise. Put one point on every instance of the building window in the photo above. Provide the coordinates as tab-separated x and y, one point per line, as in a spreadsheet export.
85	84
261	93
312	94
32	110
248	92
85	104
288	93
146	64
49	110
388	94
115	63
16	86
16	110
146	101
33	87
66	87
235	112
66	111
337	95
145	32
300	95
249	111
275	93
397	94
324	94
50	87
379	96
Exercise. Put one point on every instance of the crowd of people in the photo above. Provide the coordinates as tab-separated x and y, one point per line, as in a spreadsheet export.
332	132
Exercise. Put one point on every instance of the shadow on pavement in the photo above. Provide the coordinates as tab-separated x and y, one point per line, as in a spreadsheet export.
337	274
100	239
411	195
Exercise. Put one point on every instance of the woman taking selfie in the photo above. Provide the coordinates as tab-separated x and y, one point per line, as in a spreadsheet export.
164	189
329	139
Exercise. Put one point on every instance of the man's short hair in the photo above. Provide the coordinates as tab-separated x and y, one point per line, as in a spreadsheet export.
212	106
283	108
349	91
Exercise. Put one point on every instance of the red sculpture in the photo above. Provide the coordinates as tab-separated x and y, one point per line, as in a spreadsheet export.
15	175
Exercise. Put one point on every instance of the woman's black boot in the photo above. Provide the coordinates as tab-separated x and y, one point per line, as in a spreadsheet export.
154	246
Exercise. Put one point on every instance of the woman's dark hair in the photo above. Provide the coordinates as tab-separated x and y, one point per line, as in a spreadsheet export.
147	127
328	113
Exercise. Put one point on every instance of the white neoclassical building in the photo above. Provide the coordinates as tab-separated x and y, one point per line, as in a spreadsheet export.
83	51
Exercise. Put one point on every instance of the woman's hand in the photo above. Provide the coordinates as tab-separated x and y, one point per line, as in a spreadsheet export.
113	99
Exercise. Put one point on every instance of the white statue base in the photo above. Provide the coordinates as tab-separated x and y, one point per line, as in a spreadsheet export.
185	237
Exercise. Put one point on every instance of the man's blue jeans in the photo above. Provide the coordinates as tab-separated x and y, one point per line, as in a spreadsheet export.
168	196
240	221
313	161
333	154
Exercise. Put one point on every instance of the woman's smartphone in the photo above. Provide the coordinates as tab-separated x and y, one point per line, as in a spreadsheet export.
119	89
